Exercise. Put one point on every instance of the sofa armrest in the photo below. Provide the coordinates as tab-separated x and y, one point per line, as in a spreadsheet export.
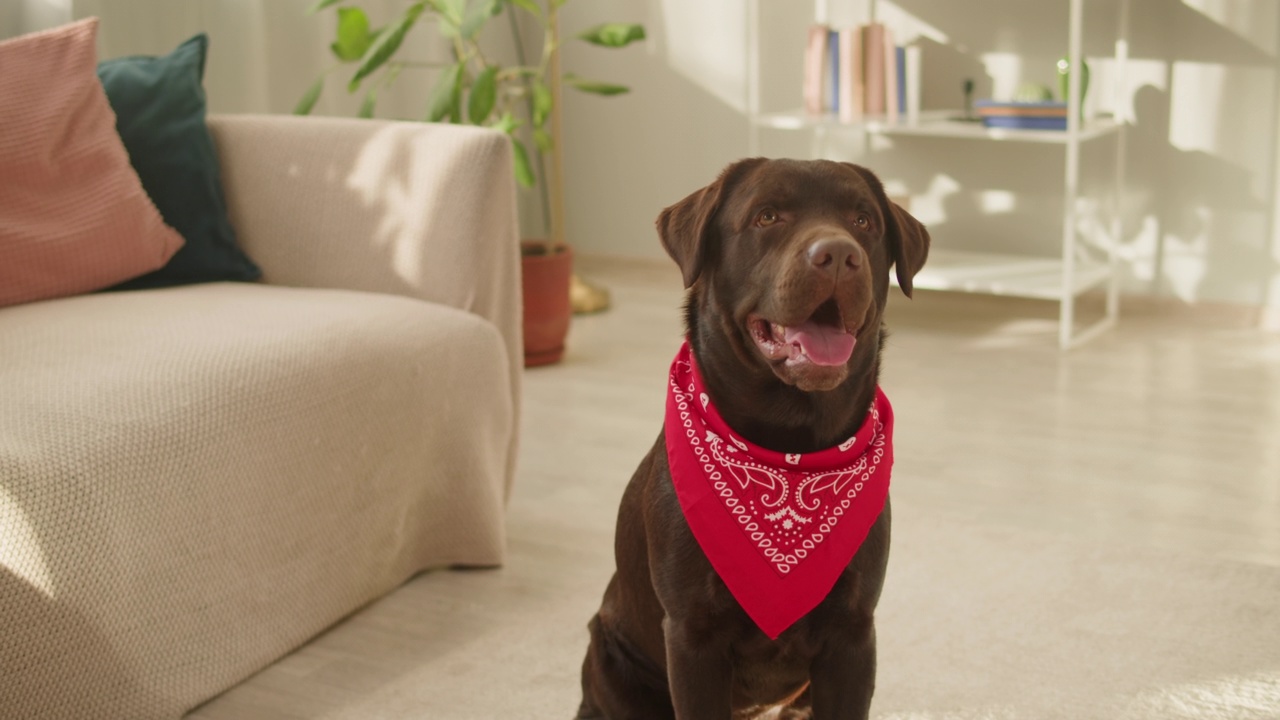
422	210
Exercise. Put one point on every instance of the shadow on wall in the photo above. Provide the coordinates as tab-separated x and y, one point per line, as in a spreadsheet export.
949	67
1201	148
264	54
703	43
1199	195
628	157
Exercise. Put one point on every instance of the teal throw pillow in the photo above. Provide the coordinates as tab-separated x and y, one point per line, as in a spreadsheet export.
160	114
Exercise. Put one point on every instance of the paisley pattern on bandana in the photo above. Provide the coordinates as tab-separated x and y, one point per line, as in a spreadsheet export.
779	528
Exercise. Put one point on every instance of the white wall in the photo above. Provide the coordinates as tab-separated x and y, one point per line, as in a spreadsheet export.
23	16
263	54
628	156
1203	95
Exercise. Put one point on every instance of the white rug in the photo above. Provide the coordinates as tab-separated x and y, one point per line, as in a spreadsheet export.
979	623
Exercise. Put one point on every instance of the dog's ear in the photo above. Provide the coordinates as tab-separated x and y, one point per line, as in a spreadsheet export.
907	237
686	227
910	243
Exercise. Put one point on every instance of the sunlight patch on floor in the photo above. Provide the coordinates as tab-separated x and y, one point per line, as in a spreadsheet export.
1250	697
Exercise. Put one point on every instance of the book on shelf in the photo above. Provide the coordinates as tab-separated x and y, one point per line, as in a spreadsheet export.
854	72
873	67
851	88
891	107
831	81
900	61
1044	108
1047	115
1014	122
912	83
815	57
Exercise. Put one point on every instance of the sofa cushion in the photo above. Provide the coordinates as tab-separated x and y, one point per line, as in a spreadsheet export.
195	480
73	215
160	114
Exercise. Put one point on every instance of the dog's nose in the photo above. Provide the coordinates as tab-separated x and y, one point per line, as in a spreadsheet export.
832	254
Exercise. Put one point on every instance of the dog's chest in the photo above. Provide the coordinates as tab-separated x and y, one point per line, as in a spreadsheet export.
767	671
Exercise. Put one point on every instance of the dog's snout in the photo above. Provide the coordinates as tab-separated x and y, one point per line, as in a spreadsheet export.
833	253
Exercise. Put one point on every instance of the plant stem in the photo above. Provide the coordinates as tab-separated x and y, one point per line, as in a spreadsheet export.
419	64
556	180
543	193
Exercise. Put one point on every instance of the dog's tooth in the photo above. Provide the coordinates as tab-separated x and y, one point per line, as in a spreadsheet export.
794	351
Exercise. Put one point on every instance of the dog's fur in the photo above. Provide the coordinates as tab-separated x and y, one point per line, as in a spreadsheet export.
669	641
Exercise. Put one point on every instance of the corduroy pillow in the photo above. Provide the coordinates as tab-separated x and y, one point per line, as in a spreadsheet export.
160	115
73	214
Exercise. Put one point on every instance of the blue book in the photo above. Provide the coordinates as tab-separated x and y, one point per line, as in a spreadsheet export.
833	49
900	55
1025	123
1047	115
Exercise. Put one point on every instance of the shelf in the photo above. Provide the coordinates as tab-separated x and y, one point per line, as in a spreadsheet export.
1023	276
933	123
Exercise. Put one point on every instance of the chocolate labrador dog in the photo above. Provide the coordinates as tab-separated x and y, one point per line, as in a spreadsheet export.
786	265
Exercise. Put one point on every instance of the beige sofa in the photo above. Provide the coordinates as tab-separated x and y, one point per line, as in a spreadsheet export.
196	480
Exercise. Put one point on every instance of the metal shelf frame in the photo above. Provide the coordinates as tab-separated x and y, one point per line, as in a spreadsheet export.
1061	280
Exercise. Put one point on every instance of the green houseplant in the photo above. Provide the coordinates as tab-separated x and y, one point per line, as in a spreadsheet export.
521	99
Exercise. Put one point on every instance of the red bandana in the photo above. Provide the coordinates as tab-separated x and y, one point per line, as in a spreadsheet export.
778	528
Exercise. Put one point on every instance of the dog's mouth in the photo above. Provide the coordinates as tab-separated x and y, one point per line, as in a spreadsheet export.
821	340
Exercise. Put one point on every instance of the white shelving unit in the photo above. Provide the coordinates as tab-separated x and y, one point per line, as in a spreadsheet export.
1086	263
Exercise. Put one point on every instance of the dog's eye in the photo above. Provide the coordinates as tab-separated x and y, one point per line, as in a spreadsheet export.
862	221
766	217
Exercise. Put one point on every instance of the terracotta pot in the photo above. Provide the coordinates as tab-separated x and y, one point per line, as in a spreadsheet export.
545	279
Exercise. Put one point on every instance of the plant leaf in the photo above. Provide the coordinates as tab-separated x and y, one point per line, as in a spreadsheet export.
447	24
484	93
529	6
478	13
558	3
320	5
592	86
541	103
524	172
543	140
507	123
613	35
444	96
453	9
354	37
370	100
387	44
309	98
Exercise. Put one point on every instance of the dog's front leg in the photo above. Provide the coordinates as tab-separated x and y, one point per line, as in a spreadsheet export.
699	671
843	675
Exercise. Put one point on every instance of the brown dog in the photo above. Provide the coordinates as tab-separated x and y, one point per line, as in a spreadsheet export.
769	246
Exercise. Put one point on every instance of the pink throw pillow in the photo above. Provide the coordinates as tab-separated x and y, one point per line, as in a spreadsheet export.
73	214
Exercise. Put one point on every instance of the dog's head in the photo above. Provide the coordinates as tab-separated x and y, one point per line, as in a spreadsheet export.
793	257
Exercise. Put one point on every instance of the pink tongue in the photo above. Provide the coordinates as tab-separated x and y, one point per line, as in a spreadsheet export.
825	345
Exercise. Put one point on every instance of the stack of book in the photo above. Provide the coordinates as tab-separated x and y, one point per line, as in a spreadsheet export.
859	72
1047	115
